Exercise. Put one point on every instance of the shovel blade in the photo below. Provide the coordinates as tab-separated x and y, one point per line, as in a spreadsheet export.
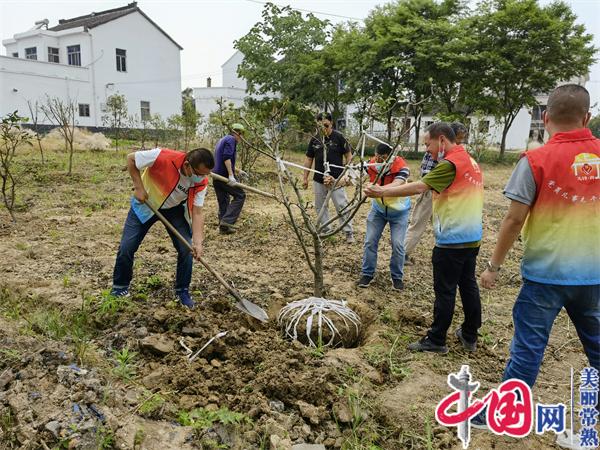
252	309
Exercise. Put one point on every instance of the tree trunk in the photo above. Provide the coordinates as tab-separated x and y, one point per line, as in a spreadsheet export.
417	131
318	273
39	141
70	158
389	127
503	142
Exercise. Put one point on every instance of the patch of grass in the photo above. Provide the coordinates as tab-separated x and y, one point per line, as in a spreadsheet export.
10	354
105	438
8	427
110	305
50	323
202	419
154	282
151	404
125	360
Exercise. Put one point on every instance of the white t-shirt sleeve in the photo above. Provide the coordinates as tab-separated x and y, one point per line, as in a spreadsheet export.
145	158
199	197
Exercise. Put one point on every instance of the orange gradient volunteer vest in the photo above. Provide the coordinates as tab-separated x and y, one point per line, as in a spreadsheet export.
160	180
458	209
562	232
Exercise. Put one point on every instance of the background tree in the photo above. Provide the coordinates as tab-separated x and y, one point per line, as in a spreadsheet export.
34	110
116	116
175	130
62	113
12	135
525	49
286	55
159	128
190	119
594	125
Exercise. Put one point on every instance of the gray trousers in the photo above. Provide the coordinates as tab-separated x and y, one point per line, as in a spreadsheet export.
339	201
421	215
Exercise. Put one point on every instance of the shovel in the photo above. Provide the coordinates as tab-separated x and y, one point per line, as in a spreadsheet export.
242	304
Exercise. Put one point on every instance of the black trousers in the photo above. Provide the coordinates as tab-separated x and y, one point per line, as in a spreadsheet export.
229	210
452	268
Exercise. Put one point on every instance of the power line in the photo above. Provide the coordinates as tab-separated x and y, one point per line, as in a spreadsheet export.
307	10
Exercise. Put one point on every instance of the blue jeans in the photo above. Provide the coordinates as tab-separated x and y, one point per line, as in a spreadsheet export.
134	232
533	315
375	224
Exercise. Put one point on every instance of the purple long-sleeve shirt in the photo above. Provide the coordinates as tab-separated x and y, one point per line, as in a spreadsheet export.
225	150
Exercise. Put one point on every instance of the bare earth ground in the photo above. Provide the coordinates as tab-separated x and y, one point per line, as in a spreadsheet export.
61	385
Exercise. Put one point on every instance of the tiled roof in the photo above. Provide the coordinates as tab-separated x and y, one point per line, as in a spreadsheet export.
99	18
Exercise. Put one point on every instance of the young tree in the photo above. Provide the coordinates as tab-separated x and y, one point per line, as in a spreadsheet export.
175	129
158	129
34	109
117	116
62	113
11	137
525	49
189	120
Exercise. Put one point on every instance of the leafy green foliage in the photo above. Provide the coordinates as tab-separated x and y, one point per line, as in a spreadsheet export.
201	418
125	363
110	305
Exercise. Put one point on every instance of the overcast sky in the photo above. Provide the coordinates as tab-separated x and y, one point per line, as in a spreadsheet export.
206	29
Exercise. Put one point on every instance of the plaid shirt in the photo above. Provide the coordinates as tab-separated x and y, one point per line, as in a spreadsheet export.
427	164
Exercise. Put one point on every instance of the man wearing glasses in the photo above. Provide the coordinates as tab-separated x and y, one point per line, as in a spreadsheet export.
332	147
174	182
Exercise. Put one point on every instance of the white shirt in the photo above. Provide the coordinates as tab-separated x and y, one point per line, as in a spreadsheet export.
146	158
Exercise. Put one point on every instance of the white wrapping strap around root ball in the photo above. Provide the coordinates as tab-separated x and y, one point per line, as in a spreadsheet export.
299	319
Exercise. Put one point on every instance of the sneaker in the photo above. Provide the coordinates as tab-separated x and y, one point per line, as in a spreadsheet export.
397	285
365	281
119	292
409	261
480	420
226	228
425	345
186	299
468	346
349	237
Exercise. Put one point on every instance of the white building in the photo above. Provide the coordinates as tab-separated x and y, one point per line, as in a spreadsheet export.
88	58
233	89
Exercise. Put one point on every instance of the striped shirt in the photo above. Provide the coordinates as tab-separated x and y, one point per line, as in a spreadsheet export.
427	164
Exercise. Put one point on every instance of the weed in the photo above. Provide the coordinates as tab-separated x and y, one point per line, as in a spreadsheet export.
110	305
202	419
125	368
7	425
138	439
10	354
105	438
151	404
49	323
154	282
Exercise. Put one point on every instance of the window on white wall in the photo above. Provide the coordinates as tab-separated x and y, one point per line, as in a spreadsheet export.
145	110
74	55
121	60
15	54
53	55
31	53
84	110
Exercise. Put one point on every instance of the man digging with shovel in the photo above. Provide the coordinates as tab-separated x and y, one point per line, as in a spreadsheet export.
175	183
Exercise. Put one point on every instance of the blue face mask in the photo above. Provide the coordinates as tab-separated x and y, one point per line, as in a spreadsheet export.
197	178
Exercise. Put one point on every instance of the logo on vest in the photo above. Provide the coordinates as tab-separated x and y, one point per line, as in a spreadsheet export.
586	167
